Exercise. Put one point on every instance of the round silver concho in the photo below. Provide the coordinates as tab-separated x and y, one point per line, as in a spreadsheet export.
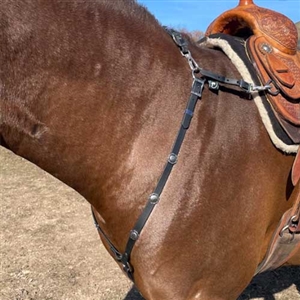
134	235
172	158
154	198
266	48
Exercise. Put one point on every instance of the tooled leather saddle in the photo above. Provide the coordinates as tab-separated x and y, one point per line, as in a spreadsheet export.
272	45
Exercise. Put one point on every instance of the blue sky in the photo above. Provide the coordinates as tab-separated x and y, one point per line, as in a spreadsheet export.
198	14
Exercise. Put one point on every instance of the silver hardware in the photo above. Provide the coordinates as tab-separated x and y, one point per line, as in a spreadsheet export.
267	87
283	230
266	48
287	227
292	221
259	88
134	235
154	198
270	91
172	158
127	268
213	85
192	63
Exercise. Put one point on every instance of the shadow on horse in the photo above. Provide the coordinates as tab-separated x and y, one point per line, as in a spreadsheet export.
263	286
94	92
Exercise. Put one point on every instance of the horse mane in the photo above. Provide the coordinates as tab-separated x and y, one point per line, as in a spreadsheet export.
22	19
125	8
17	20
131	9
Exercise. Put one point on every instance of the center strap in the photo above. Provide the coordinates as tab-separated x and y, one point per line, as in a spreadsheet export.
153	199
196	93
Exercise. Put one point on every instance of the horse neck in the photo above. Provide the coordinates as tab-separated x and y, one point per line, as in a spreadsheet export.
75	99
132	82
102	113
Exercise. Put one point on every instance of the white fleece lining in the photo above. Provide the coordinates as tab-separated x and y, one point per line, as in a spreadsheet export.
241	67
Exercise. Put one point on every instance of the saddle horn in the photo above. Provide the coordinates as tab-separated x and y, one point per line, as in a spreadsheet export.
246	2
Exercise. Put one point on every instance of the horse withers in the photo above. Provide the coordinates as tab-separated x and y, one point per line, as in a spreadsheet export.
93	92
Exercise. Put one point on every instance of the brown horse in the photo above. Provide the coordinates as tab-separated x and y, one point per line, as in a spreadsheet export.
93	92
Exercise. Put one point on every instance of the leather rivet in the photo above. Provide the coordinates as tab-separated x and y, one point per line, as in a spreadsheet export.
134	235
154	198
172	159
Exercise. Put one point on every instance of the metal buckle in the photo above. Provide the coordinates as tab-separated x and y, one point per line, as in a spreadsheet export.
179	40
197	87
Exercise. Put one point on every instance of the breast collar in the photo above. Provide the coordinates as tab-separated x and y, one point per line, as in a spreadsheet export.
195	95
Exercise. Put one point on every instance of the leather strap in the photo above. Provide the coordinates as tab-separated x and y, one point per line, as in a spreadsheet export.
113	249
196	94
246	86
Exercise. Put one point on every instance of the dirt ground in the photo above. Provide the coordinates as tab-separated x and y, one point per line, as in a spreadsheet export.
50	250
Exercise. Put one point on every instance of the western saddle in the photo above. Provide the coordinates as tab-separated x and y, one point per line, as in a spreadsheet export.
272	47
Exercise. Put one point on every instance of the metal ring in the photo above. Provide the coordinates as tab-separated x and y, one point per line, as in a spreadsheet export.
283	229
276	92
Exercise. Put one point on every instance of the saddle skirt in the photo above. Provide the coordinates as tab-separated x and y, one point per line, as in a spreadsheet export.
272	46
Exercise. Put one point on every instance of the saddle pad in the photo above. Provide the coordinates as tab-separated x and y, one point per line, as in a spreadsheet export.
234	48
